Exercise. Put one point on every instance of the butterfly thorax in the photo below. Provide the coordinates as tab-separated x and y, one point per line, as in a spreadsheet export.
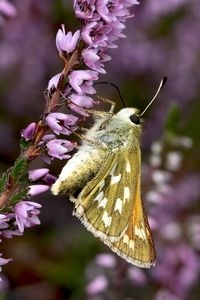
115	133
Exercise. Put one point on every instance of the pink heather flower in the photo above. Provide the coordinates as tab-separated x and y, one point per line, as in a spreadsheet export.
59	148
3	221
93	58
111	10
95	34
104	57
67	42
53	82
28	132
8	233
7	8
97	285
48	137
81	100
43	175
88	13
82	80
78	110
4	261
3	218
49	179
37	174
37	189
26	213
129	3
59	122
115	33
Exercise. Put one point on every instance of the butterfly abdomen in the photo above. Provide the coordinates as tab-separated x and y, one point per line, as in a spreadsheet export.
83	166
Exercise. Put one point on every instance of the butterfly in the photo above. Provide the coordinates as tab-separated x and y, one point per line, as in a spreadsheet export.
103	179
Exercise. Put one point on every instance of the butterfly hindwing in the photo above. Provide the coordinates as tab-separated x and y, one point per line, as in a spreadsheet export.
136	245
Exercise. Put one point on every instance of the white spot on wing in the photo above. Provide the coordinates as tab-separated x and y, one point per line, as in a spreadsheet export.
99	197
126	193
126	239
118	205
128	167
143	233
106	219
140	233
115	179
113	169
103	203
101	185
131	244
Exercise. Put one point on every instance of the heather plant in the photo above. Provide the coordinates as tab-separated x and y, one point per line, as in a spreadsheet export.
161	40
83	54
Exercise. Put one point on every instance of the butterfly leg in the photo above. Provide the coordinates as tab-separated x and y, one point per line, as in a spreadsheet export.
112	104
103	114
99	114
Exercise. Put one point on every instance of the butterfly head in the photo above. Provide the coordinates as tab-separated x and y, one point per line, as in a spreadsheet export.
130	115
133	115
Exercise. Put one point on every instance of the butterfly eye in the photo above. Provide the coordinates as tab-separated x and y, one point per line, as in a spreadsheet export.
135	119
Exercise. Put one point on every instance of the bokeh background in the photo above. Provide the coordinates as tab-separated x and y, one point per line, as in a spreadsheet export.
59	259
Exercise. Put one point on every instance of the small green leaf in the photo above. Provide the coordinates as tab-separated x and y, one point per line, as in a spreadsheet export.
3	181
19	196
24	144
19	170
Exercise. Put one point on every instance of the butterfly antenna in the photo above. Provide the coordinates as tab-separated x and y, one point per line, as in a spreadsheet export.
115	86
162	83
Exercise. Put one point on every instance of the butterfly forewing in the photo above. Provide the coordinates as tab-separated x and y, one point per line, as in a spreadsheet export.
105	205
